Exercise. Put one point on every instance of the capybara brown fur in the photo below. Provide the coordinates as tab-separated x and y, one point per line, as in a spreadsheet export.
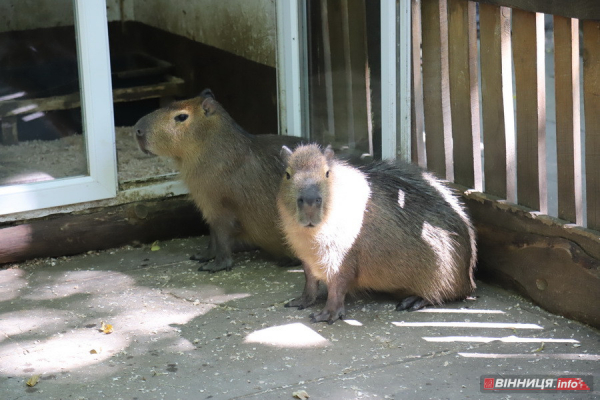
386	226
232	176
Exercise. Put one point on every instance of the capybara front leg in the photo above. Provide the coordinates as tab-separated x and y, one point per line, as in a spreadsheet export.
223	248
309	294
334	308
209	253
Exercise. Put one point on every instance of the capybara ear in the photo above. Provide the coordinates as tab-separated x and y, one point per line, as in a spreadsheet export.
207	93
210	106
328	153
285	153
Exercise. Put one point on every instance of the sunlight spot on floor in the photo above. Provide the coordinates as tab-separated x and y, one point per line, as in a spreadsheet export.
459	311
507	339
352	322
501	325
292	335
563	356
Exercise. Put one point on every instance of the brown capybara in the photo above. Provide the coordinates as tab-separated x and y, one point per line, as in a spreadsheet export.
387	226
232	176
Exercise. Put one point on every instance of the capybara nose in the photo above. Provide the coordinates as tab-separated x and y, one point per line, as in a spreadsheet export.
310	196
139	133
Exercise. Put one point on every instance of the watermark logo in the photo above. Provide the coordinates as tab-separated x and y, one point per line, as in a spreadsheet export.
519	383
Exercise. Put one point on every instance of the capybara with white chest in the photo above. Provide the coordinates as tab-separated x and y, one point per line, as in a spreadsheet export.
232	176
386	226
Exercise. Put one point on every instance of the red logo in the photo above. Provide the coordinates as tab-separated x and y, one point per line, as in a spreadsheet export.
571	384
488	383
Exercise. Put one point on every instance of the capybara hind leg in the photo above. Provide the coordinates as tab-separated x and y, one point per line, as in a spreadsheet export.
412	303
309	294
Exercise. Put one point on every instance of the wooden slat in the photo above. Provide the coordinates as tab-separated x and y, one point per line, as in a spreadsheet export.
464	92
582	9
568	120
496	81
436	96
172	87
591	98
418	121
529	62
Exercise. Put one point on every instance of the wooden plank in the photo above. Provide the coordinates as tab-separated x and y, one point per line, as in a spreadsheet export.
436	96
591	99
419	118
464	92
172	87
496	77
141	222
568	120
529	56
582	9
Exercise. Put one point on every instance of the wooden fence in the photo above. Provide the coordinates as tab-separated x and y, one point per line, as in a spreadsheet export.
481	84
479	120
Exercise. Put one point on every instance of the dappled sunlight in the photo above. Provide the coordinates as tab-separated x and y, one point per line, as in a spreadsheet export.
352	322
11	283
294	335
459	311
74	282
74	349
561	356
499	325
486	339
24	322
50	340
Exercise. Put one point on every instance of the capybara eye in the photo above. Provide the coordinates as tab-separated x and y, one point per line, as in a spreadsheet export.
288	176
181	117
327	174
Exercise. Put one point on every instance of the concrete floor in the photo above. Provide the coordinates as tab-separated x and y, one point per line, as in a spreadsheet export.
183	334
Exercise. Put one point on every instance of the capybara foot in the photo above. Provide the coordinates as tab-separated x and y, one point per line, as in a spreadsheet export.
301	303
288	262
328	315
202	257
217	265
412	303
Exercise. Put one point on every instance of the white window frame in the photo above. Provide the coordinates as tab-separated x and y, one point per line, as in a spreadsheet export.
91	30
395	75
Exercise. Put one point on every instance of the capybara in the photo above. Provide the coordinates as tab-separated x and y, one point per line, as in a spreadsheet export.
232	176
386	226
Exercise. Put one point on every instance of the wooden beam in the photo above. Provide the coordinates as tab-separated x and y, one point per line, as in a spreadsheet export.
139	222
581	9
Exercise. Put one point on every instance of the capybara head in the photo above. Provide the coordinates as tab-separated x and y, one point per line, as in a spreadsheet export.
305	186
180	128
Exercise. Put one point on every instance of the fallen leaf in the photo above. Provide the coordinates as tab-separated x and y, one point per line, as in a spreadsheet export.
155	246
539	349
106	328
33	380
301	394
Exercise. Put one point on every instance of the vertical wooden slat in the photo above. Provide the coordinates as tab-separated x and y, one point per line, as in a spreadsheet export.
418	121
464	92
591	98
436	96
568	120
529	62
497	107
327	68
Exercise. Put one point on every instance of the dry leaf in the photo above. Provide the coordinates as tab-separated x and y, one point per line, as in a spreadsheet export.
106	328
155	246
33	380
301	394
94	351
539	349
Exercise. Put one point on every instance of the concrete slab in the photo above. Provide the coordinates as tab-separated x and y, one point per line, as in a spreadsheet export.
182	334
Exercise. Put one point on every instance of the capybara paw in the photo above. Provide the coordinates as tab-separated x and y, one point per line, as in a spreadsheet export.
202	257
301	303
217	265
328	315
289	262
412	303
